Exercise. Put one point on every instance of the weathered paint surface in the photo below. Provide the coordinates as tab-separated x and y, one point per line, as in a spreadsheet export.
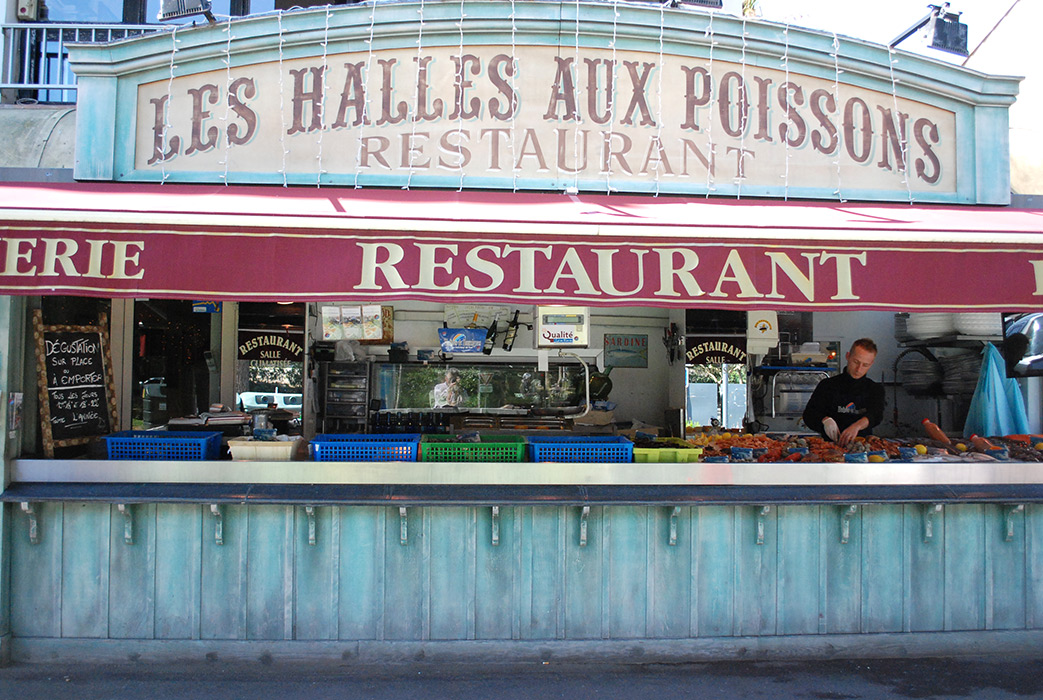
438	575
376	102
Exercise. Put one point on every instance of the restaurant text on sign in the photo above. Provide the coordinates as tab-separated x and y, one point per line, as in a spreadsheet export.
591	270
671	272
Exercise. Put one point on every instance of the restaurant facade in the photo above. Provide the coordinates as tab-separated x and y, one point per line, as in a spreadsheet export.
408	164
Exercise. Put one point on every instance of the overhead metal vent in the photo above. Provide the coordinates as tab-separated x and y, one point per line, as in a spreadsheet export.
176	9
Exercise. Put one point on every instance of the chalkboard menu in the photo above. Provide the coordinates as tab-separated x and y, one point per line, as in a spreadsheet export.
77	397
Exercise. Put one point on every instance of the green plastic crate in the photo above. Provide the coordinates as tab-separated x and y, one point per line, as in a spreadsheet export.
672	450
490	448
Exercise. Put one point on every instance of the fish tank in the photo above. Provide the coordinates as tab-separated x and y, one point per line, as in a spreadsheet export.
481	387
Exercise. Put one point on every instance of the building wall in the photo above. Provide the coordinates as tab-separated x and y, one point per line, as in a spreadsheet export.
35	136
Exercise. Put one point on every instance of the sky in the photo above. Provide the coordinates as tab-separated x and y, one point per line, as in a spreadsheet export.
880	21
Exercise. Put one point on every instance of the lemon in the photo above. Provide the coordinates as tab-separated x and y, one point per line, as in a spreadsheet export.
877	458
921	449
1039	445
726	435
961	447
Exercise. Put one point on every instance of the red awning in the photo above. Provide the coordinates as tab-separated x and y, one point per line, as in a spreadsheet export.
312	244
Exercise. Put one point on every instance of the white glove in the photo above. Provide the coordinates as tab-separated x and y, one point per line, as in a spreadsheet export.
830	426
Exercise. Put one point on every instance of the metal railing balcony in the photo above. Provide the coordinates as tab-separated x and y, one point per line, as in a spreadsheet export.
35	56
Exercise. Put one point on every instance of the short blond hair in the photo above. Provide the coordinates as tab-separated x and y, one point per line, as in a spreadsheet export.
866	344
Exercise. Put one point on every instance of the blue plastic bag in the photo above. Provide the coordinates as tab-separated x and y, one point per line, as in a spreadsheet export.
997	407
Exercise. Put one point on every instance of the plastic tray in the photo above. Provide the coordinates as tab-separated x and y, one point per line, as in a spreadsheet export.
595	448
399	447
247	449
491	448
163	444
668	450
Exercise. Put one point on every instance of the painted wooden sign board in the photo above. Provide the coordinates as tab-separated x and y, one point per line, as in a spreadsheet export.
76	384
592	96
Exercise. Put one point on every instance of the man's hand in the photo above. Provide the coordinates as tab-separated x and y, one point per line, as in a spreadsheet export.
851	432
831	429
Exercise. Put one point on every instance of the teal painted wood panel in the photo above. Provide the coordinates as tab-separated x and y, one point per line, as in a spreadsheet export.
36	572
95	128
584	570
360	571
450	582
756	572
1034	566
452	587
497	576
132	575
1005	568
5	527
406	584
670	575
965	567
842	570
223	575
627	548
883	568
713	559
924	575
799	570
179	551
544	541
85	570
269	573
315	566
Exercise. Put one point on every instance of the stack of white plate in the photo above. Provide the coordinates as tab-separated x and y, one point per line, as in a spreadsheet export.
930	325
920	376
978	323
960	372
901	328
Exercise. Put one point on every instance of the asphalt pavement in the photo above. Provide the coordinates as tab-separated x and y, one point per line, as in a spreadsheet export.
982	678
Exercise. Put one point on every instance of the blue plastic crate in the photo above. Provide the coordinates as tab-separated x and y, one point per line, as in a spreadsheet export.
164	444
594	448
391	447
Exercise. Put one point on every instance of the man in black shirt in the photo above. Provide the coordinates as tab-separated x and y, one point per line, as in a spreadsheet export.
849	404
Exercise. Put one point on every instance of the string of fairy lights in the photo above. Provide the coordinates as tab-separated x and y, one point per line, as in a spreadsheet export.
226	152
610	90
322	97
659	100
364	118
170	96
839	192
786	140
706	93
575	130
514	93
711	185
903	139
744	116
416	94
460	107
282	107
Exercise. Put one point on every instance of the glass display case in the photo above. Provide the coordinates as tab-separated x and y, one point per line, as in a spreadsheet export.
480	387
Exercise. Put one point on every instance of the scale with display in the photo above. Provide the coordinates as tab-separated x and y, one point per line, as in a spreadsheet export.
562	327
